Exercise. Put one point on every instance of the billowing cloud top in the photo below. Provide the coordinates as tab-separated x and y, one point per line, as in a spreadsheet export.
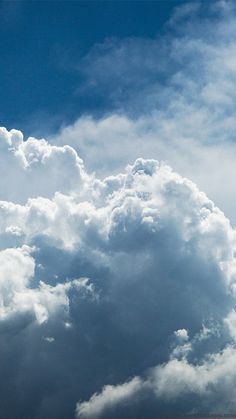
117	295
171	97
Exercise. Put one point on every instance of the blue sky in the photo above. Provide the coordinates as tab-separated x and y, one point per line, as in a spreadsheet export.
43	43
117	209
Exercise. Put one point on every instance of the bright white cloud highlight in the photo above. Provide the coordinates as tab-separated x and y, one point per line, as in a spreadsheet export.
34	168
108	398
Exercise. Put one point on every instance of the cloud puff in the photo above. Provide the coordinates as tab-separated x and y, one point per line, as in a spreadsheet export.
127	279
108	398
37	165
182	334
19	297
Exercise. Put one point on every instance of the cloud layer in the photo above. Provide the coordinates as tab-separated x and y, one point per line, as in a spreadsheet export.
116	294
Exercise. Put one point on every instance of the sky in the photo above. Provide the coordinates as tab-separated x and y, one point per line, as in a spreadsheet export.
117	209
43	44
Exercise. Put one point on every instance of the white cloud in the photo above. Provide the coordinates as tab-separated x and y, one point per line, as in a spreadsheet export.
145	238
132	274
36	168
176	379
108	398
17	267
214	375
182	335
171	99
18	296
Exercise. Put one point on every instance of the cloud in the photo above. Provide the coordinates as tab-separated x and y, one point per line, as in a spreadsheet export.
171	98
182	334
173	382
108	398
191	64
19	297
107	145
37	165
126	279
117	292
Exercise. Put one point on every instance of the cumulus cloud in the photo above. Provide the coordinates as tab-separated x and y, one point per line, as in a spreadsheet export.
173	382
37	165
171	98
216	374
117	294
19	297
